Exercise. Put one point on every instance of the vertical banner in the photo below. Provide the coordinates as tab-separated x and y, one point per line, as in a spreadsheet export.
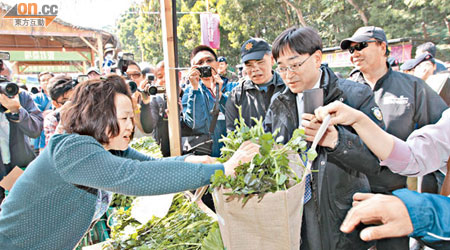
210	30
401	52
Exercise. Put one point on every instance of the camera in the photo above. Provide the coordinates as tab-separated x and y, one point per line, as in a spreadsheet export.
133	86
124	60
153	90
205	71
9	89
150	77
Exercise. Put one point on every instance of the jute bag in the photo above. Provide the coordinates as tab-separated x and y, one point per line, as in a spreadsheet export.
272	223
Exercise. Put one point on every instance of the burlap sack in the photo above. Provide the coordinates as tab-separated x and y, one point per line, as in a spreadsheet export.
273	223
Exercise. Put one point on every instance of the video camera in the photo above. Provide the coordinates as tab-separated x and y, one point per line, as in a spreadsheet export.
153	90
123	61
4	55
9	89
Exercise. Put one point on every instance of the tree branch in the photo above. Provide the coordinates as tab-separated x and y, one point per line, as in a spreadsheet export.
360	12
447	24
298	11
287	14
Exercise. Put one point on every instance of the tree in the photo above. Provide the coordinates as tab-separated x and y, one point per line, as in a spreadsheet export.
139	29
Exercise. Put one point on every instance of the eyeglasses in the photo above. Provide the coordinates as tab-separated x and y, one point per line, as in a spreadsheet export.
294	67
359	46
134	74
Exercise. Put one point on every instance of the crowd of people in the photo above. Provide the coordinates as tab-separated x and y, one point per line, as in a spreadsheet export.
386	125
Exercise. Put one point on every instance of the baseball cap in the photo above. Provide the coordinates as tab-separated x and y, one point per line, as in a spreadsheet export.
254	49
93	69
363	34
412	63
222	59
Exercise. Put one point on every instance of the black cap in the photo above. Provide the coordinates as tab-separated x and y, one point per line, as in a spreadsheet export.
412	63
222	59
254	49
364	34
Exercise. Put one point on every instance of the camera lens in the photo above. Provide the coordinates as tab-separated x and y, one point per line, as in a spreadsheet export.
10	89
153	90
133	86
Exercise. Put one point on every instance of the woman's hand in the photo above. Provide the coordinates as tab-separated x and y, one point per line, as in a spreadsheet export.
340	113
244	154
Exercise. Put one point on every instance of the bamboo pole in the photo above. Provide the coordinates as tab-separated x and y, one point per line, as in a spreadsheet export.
171	78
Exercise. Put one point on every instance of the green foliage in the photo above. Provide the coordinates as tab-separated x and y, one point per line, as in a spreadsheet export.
184	227
214	240
269	170
140	32
148	146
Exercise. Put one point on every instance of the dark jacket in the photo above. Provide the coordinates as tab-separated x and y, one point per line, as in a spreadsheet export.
407	103
253	101
154	120
341	170
27	125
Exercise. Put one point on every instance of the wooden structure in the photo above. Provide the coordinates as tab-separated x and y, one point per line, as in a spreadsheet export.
58	36
168	19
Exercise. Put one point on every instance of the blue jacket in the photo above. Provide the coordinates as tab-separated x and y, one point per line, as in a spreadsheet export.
197	107
46	210
430	216
43	103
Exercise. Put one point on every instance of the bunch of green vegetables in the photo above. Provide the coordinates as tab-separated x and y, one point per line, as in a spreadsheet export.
184	227
148	146
267	172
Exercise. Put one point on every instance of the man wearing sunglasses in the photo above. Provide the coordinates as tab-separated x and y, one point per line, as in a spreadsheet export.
342	159
406	102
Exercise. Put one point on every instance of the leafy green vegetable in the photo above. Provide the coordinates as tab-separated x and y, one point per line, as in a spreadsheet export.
214	240
148	146
184	227
267	172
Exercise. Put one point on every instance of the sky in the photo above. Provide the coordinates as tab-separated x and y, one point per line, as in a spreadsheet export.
85	13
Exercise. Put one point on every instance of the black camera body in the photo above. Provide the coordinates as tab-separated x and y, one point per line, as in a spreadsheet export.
123	61
150	77
9	89
205	71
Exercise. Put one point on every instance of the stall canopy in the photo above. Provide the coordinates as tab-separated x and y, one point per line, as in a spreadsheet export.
59	47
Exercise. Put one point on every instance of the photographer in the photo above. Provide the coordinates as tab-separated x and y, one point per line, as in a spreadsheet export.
44	104
60	89
199	98
70	184
19	119
154	118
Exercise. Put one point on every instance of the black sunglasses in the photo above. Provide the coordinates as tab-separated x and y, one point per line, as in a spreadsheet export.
360	46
